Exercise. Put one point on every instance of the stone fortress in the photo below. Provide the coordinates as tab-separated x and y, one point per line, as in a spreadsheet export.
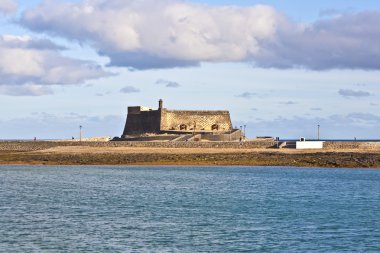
146	124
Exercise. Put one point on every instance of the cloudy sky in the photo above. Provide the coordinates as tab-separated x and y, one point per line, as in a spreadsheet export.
280	67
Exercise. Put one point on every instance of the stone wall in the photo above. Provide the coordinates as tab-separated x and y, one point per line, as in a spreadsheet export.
362	145
204	120
40	145
141	122
235	135
20	146
102	138
150	138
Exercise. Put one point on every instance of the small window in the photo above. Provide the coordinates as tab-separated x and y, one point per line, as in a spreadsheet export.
215	127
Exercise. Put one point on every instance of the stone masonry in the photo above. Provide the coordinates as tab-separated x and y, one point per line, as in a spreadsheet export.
145	121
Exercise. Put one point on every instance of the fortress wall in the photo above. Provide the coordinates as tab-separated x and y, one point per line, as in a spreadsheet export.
172	119
141	122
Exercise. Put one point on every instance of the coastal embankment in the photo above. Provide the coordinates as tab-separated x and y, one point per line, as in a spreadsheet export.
253	153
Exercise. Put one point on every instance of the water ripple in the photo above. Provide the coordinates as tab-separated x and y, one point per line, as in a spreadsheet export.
188	209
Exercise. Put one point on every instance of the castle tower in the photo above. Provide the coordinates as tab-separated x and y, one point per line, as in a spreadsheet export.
160	104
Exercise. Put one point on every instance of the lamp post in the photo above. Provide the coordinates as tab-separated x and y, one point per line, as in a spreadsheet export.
318	131
80	133
241	134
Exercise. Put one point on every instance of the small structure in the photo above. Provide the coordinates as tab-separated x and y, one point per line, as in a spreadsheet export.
303	144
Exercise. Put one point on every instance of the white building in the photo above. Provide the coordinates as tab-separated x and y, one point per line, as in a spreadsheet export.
303	144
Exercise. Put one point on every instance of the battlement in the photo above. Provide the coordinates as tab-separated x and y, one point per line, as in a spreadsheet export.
138	109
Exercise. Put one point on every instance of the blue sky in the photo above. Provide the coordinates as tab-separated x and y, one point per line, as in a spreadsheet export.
279	67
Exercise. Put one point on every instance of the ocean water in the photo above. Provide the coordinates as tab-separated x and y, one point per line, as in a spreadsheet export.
188	209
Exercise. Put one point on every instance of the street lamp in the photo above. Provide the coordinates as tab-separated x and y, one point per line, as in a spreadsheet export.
318	131
80	133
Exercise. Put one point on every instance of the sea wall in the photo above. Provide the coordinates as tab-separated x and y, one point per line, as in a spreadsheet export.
362	145
40	145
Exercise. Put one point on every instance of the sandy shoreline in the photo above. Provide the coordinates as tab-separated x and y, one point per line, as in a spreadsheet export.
87	155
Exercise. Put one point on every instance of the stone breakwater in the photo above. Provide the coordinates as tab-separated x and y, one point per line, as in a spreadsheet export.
252	153
360	145
262	144
41	145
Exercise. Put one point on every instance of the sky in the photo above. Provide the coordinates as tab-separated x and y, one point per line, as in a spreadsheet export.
280	67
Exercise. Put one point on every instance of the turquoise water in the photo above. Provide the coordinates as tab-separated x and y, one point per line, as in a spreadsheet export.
188	209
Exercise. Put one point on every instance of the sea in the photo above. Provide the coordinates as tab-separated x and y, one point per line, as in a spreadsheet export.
188	209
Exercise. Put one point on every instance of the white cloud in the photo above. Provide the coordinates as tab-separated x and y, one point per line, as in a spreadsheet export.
348	41
168	84
25	90
288	103
7	6
129	89
32	62
246	95
173	33
353	93
149	34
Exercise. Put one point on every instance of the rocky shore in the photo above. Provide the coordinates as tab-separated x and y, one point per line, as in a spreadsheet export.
86	154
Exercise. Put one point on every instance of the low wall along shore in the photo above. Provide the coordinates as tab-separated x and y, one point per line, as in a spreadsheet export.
262	144
362	145
40	145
